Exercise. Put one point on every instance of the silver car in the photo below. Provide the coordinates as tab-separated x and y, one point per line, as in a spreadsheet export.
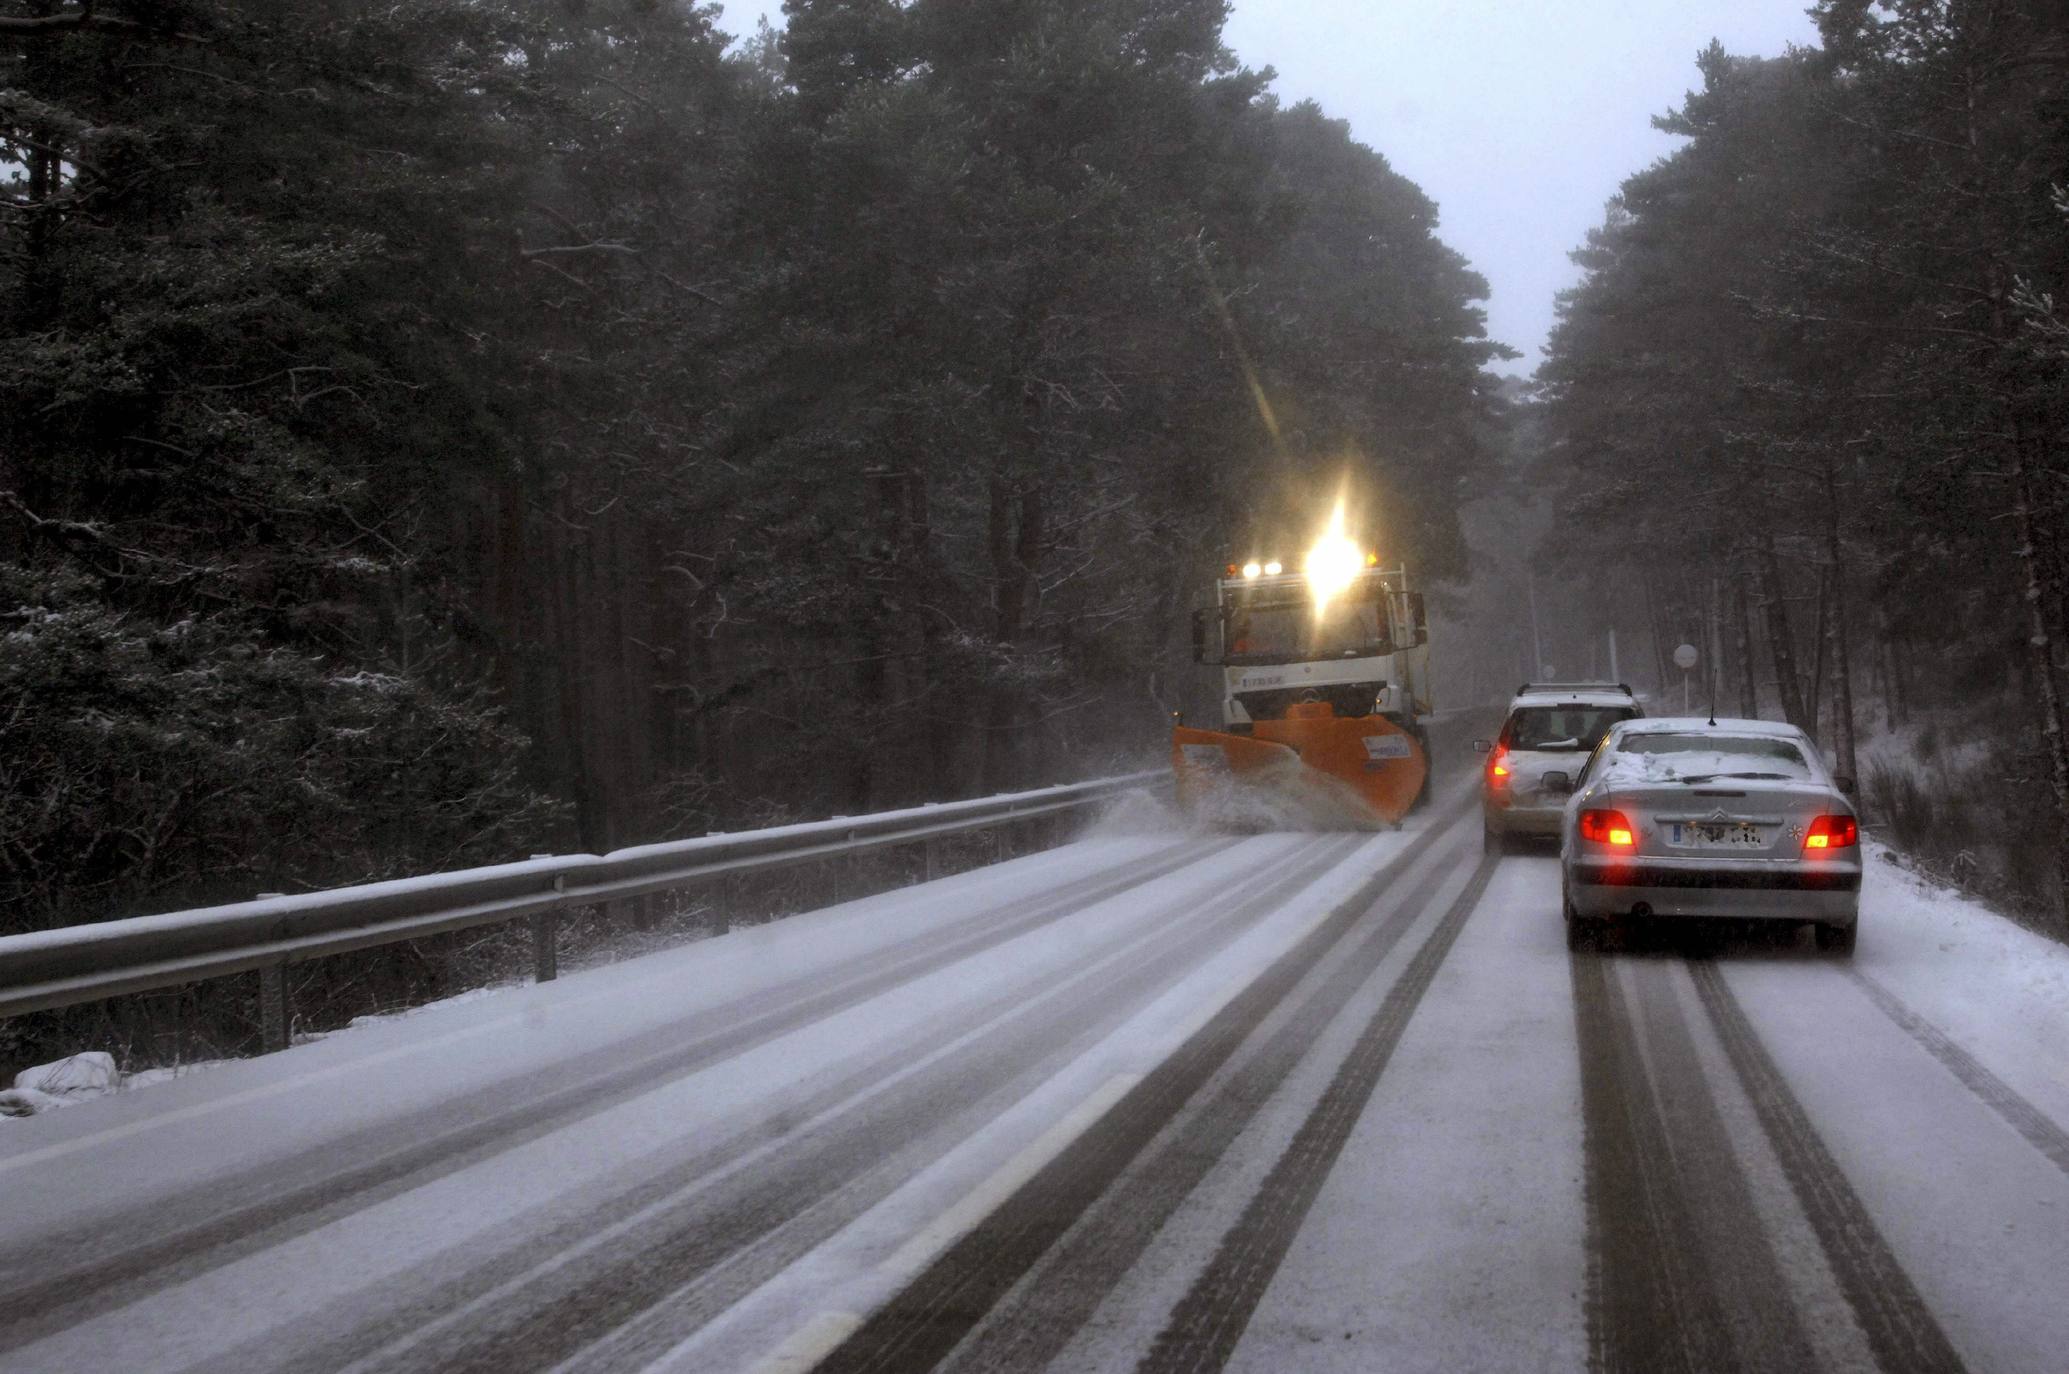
1551	727
1735	818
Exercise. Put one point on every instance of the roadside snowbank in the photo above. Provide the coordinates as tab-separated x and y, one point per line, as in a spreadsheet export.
1954	960
60	1083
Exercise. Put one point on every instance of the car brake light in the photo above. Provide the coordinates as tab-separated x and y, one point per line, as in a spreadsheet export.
1832	832
1612	828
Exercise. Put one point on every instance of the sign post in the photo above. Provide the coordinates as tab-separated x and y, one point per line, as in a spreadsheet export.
1685	658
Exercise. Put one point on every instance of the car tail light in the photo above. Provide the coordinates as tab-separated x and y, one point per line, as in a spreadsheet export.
1495	768
1612	828
1832	832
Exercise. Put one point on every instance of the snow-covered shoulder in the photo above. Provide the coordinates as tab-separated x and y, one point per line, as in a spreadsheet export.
1955	962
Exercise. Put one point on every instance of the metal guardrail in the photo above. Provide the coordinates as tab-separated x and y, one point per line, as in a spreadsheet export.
75	964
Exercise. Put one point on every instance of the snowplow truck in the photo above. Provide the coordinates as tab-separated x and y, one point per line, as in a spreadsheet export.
1325	698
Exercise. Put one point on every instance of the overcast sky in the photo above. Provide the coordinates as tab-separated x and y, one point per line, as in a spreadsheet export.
1518	117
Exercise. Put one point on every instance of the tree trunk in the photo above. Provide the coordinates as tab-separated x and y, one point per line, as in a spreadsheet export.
40	287
1781	646
1842	740
1742	627
2032	578
1814	706
2041	647
1015	546
1898	704
1659	644
1714	626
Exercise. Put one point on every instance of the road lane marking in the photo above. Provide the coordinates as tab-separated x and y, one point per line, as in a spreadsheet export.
985	1198
818	1338
809	1344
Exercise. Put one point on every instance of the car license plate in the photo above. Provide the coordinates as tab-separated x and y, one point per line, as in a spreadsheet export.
1714	834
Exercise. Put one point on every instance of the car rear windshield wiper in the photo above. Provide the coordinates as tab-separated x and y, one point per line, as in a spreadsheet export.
1712	777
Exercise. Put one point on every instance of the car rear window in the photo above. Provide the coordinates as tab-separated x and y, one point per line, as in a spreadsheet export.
1563	727
1669	754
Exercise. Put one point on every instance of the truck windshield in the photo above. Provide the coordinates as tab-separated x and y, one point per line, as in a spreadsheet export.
1293	634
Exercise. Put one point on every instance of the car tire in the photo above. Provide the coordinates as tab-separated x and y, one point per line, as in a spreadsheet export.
1837	940
1492	841
1583	933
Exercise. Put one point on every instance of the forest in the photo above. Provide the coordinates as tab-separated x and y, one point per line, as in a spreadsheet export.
439	431
1807	409
444	431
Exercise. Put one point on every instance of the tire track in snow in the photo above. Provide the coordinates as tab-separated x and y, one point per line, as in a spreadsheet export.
362	1170
1901	1330
1204	1329
681	1246
1996	1094
1041	1316
1762	1320
1652	1303
919	1327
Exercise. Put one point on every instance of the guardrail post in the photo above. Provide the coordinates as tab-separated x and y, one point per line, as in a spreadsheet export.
546	946
932	846
276	1014
546	939
276	1009
846	869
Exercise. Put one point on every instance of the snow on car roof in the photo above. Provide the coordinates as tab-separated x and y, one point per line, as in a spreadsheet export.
1703	725
1583	696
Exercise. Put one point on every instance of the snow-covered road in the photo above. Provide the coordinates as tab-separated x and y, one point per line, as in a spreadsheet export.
1148	1101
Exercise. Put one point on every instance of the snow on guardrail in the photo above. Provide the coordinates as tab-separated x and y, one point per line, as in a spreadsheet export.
55	968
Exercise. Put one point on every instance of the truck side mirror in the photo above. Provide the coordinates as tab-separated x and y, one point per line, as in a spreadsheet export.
1419	614
1200	639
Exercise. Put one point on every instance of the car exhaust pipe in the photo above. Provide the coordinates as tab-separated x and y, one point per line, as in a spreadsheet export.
1642	910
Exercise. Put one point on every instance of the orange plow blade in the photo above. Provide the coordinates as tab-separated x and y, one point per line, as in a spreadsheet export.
1312	769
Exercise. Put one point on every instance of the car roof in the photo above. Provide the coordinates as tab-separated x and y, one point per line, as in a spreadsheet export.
1703	725
1573	696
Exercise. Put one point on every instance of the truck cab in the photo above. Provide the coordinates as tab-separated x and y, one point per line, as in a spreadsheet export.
1363	651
